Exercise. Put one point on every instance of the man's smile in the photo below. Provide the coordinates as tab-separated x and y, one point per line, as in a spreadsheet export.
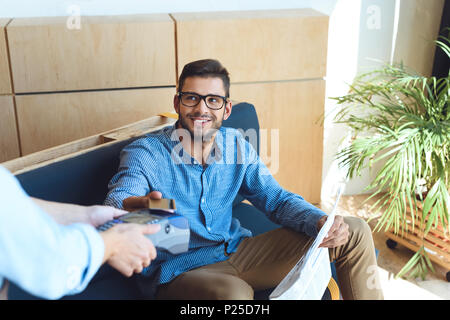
200	121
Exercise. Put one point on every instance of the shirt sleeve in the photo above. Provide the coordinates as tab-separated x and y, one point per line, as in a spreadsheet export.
42	257
131	179
282	207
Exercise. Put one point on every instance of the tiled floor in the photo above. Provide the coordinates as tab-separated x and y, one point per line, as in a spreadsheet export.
390	261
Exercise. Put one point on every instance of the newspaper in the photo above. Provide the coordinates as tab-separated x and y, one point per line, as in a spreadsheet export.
309	278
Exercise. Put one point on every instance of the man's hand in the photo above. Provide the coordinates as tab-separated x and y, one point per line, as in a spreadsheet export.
127	249
135	203
67	213
338	234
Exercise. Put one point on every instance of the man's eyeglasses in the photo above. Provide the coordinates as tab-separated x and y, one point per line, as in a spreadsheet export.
212	101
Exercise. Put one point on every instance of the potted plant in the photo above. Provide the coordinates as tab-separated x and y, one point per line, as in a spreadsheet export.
402	120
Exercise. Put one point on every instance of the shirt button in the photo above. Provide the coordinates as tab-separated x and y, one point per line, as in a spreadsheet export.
203	200
208	228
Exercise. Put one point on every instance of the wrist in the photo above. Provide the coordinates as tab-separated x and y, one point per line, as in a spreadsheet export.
321	222
109	241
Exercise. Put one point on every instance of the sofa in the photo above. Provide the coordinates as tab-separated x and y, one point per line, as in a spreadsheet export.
83	180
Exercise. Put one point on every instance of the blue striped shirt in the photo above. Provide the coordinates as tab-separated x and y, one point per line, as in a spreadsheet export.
205	194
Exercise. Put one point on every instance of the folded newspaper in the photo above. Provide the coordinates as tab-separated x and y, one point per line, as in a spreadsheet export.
309	278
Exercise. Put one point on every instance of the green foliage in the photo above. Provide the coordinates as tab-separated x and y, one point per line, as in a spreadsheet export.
403	120
417	266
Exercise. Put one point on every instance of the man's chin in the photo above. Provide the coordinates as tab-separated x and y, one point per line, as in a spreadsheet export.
206	133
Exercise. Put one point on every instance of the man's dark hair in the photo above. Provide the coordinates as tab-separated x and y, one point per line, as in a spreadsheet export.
205	68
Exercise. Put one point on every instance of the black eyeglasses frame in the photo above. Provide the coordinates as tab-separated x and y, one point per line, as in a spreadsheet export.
181	93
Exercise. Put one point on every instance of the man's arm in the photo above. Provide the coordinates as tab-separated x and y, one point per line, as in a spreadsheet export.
286	208
282	207
132	178
42	257
65	213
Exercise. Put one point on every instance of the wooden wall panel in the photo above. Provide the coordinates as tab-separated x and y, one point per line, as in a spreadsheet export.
294	108
106	52
48	120
5	78
256	45
9	142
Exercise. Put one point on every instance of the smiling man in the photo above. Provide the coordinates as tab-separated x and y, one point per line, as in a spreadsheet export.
224	261
202	105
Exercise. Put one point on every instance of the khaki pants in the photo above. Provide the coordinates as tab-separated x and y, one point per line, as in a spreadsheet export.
263	261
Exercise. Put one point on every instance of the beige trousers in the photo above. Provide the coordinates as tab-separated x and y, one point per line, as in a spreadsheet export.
263	261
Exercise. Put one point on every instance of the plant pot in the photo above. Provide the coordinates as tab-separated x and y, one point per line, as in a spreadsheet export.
436	242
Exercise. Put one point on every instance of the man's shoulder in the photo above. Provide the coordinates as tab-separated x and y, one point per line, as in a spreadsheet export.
158	140
241	138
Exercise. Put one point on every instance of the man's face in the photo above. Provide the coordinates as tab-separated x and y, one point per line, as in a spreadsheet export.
200	117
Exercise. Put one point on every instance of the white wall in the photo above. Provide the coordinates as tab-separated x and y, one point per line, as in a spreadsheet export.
33	8
359	30
360	39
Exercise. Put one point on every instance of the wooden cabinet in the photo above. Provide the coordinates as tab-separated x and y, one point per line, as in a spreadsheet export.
9	142
256	45
48	120
5	78
71	83
106	52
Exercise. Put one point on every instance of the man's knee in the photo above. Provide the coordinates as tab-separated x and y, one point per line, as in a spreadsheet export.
229	288
359	230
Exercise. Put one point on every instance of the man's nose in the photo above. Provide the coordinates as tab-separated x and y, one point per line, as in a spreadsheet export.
202	107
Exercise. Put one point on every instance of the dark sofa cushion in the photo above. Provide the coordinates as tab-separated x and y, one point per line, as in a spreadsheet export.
253	219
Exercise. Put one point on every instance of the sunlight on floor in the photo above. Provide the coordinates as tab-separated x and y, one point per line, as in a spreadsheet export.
399	289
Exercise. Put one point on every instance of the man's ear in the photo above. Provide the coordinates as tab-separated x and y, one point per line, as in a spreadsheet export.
176	103
228	108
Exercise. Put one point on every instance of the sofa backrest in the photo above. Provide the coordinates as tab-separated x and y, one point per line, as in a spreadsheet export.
84	179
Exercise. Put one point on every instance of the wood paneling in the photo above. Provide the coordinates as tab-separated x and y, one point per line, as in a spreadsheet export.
256	45
9	142
48	120
106	52
295	109
5	78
